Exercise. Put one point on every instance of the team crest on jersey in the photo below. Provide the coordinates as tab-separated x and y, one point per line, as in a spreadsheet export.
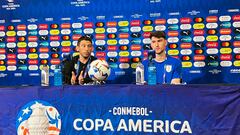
168	68
38	117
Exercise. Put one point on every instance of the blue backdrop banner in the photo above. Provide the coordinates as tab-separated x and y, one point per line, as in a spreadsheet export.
120	109
204	35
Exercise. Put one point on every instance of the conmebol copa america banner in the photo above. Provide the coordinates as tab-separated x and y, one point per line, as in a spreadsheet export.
120	109
204	35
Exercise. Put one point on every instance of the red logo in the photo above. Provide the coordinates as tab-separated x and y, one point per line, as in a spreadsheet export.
100	36
88	25
236	43
21	27
43	50
123	35
54	38
198	32
185	20
226	57
225	31
199	58
11	56
43	26
146	34
32	62
112	48
2	28
11	39
2	51
172	33
135	23
66	49
160	21
212	19
186	45
55	61
22	50
111	24
11	62
236	18
212	44
65	25
100	54
136	47
76	37
32	38
123	59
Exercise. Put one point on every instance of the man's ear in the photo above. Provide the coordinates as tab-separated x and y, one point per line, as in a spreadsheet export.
165	42
77	48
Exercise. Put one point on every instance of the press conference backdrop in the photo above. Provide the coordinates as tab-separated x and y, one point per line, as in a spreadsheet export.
205	35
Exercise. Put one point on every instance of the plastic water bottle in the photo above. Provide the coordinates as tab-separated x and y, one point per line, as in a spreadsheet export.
140	74
45	76
152	78
57	76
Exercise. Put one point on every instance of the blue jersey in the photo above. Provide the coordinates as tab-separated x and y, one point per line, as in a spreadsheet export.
166	71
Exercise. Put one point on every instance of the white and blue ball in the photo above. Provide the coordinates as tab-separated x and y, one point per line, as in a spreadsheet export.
99	70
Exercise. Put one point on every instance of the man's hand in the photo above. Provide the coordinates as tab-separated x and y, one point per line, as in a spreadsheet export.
176	81
81	79
73	79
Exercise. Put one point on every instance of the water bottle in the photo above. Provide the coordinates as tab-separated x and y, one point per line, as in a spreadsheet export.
140	74
45	76
57	76
152	78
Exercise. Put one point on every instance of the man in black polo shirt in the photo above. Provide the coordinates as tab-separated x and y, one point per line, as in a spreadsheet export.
75	71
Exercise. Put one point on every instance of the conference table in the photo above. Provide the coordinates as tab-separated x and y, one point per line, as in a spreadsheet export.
120	109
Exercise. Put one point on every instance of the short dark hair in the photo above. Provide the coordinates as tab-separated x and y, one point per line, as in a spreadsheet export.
84	38
158	34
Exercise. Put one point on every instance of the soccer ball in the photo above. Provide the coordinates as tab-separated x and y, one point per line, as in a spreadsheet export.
99	70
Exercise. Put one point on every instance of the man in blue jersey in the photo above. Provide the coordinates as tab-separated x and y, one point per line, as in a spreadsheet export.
169	69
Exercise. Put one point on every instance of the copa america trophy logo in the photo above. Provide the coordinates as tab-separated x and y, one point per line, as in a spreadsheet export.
38	118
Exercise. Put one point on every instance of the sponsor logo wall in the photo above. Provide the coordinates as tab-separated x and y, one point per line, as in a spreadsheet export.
207	41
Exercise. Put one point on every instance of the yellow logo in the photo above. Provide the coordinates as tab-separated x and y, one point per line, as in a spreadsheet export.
173	52
198	26
66	43
212	38
112	42
11	33
225	50
3	68
54	32
147	28
123	23
99	30
236	63
22	44
133	65
186	64
33	56
124	53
